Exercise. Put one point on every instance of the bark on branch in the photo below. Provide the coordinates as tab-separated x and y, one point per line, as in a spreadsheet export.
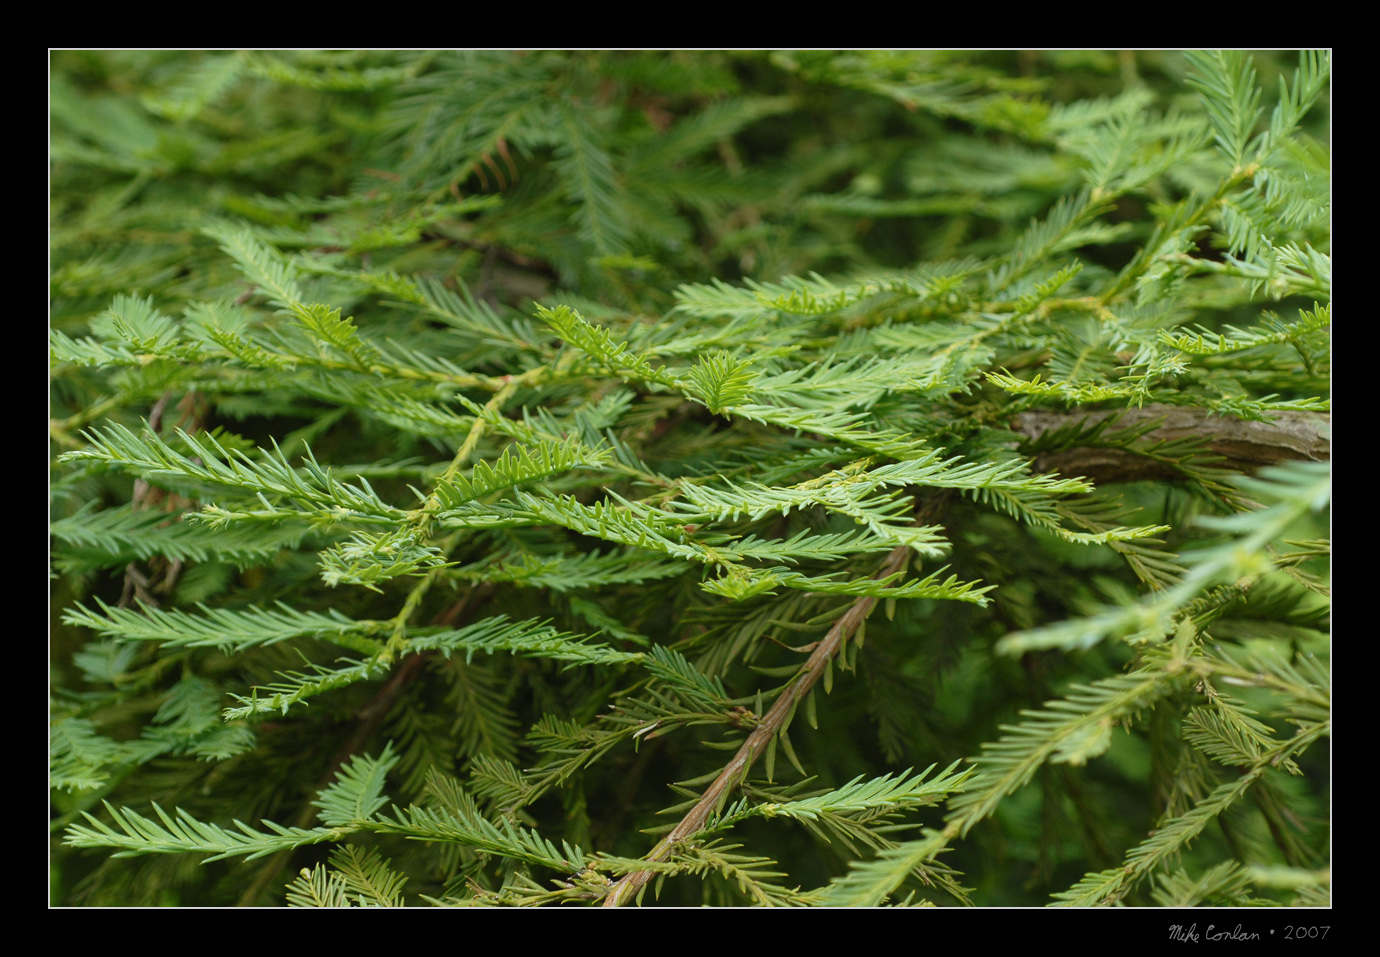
1244	446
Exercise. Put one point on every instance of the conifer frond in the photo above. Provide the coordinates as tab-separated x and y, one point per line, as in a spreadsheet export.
750	875
1270	332
692	134
1227	82
1225	883
721	381
1297	99
317	887
612	523
1109	886
590	182
467	827
180	833
197	87
80	759
839	426
89	352
870	884
535	639
357	793
136	321
510	469
329	76
356	877
260	264
367	875
482	722
224	628
719	299
298	686
879	537
114	537
188	722
213	465
698	689
577	571
599	343
741	584
478	318
500	782
1060	230
1070	731
888	793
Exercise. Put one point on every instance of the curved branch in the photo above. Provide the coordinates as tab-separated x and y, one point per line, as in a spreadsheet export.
627	888
1243	445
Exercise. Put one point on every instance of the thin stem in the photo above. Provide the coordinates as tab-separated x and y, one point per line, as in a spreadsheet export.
733	774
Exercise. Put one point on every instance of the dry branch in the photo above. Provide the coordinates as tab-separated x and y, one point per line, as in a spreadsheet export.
1243	445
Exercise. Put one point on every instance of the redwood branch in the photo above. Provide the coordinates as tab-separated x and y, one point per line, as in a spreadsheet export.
733	774
1244	446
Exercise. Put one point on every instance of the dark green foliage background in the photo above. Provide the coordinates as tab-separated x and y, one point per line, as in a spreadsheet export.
606	182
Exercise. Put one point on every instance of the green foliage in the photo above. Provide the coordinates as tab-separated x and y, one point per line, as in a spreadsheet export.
468	464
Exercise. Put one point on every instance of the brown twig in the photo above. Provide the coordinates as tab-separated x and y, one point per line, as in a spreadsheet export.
733	774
